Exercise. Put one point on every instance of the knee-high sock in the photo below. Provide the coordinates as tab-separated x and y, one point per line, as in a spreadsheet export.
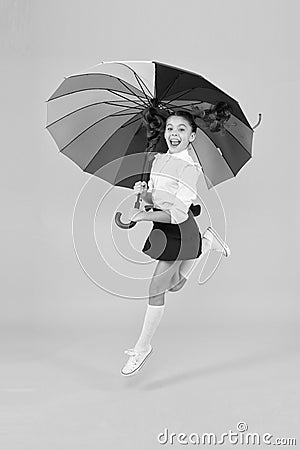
152	318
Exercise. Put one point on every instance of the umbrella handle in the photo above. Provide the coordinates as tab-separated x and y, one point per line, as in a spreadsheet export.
259	120
132	223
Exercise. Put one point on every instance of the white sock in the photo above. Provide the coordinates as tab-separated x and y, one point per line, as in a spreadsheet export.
152	318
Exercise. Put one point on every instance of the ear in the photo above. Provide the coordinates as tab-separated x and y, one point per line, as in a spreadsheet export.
192	137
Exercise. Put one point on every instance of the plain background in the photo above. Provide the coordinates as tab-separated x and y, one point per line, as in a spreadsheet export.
224	352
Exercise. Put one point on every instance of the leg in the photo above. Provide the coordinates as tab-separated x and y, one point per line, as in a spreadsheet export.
159	284
161	281
155	309
180	277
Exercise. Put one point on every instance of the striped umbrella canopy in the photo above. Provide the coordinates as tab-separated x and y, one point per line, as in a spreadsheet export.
96	118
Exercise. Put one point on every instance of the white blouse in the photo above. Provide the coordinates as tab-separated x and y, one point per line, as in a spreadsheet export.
173	183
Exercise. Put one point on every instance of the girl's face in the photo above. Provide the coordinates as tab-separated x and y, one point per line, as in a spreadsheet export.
178	134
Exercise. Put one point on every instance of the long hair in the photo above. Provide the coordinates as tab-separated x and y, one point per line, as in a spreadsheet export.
154	120
214	117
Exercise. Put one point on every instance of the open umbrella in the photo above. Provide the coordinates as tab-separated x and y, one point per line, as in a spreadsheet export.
96	118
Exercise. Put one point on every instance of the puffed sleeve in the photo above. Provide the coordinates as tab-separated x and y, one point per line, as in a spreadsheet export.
186	194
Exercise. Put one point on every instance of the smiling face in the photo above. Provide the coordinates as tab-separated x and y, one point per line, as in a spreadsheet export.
178	134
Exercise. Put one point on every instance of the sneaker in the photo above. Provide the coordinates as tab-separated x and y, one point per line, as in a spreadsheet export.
136	361
221	245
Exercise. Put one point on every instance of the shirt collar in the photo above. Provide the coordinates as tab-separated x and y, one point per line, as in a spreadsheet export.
184	154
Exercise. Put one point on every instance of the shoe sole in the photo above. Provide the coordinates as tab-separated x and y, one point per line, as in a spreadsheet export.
139	367
225	246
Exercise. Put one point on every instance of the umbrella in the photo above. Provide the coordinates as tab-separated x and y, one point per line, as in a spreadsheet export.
97	117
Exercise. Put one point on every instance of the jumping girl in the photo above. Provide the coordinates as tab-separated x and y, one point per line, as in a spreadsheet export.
175	239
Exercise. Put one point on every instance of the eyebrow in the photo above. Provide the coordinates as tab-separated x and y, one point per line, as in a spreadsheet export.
180	125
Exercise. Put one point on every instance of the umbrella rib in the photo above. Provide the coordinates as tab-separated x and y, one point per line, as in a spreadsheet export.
122	82
185	105
86	129
92	89
212	89
87	106
140	81
138	78
187	91
130	123
128	87
140	84
126	98
123	106
198	87
127	123
170	85
122	114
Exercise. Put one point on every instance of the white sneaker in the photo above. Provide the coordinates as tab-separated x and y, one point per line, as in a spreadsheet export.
216	242
135	362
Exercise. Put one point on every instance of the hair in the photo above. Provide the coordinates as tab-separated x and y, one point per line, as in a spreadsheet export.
154	119
213	119
187	116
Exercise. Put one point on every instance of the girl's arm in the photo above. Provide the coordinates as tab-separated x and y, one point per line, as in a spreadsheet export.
147	197
156	216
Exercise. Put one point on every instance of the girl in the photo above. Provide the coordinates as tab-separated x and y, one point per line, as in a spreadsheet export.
175	240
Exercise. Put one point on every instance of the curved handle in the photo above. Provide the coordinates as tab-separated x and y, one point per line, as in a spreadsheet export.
259	120
122	224
132	223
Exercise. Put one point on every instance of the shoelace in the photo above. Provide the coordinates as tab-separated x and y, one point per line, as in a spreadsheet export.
133	354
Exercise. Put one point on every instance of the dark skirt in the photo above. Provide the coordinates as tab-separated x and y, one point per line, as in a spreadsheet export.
171	242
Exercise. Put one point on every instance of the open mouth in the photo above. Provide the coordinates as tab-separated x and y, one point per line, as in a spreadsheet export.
175	142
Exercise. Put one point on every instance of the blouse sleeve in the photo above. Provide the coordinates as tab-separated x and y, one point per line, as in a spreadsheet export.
150	185
186	194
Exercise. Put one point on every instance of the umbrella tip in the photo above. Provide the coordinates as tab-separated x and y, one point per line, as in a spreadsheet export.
258	122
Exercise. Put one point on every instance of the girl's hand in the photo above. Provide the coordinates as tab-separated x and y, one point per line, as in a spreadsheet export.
135	214
140	187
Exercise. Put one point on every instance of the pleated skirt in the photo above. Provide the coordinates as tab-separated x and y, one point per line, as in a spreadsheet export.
172	242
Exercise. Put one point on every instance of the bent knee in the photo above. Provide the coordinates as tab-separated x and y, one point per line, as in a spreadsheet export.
157	287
